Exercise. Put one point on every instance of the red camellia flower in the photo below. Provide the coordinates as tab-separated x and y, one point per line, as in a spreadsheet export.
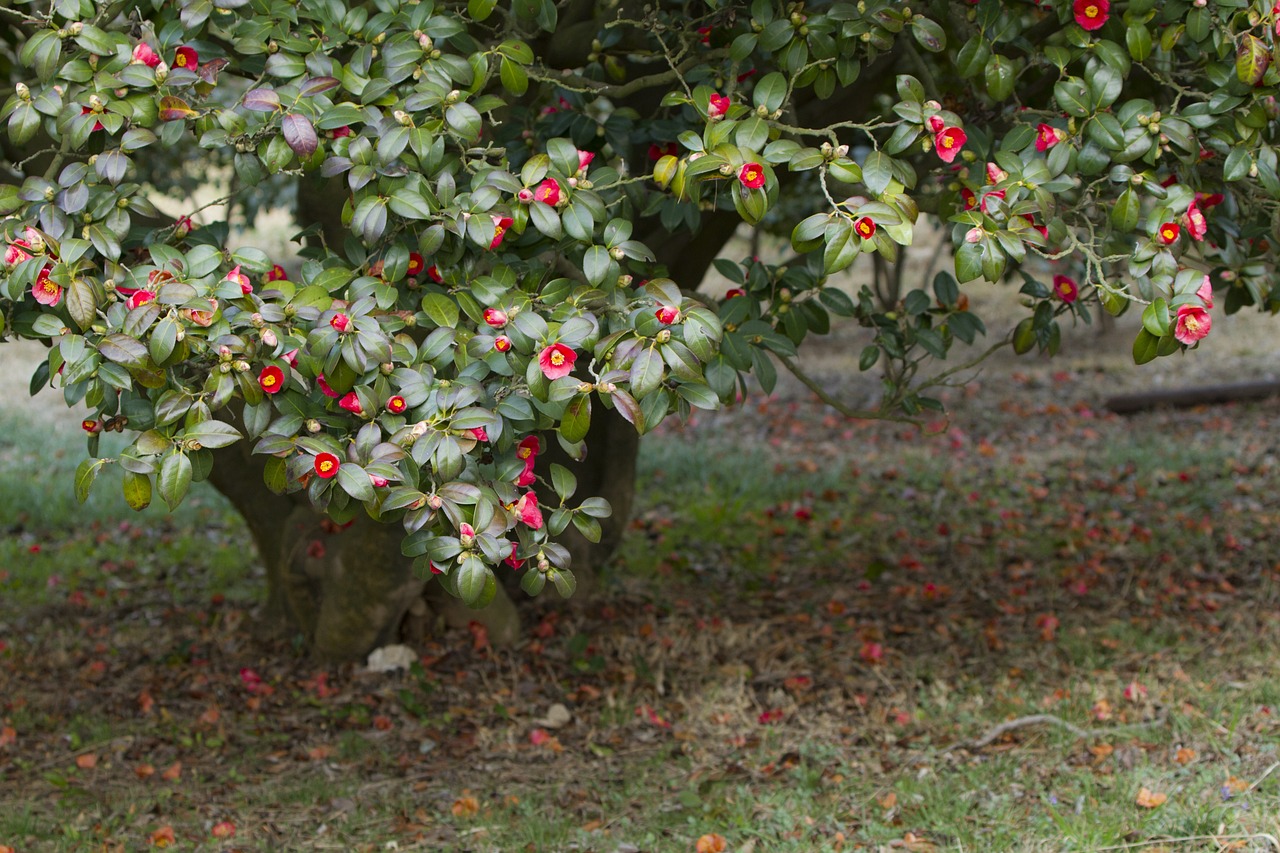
351	402
326	466
995	174
994	195
751	175
271	379
1192	324
186	57
734	292
500	226
416	264
277	273
936	124
718	105
246	286
396	405
527	511
292	358
1065	288
495	317
340	132
183	227
433	273
1048	136
556	361
340	321
502	343
657	152
967	196
92	426
479	433
527	450
1197	226
1168	233
324	387
584	160
1092	14
140	297
512	561
866	227
84	111
667	314
548	192
948	142
143	54
45	291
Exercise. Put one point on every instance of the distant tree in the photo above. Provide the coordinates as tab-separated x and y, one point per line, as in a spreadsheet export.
506	212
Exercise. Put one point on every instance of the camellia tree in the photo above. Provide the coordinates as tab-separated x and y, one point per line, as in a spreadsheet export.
507	210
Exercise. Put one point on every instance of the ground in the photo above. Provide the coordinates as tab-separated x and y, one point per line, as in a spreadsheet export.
1033	626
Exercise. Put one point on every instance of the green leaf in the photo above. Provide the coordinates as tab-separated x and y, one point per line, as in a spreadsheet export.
1155	317
770	91
1124	216
646	372
137	490
213	434
514	78
442	310
174	478
123	350
86	473
1239	161
1145	347
563	480
472	577
564	580
1000	75
577	419
877	172
355	481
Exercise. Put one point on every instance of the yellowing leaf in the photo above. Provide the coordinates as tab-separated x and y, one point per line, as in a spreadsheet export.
1147	799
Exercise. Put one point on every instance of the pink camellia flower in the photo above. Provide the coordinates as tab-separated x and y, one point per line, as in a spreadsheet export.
326	466
1065	288
1134	692
974	235
525	196
351	402
378	482
237	277
339	132
865	226
291	357
527	511
416	263
1197	226
16	253
527	450
271	379
396	405
1092	14
183	227
93	426
277	273
340	321
479	433
1048	136
1205	292
548	192
140	297
186	57
502	343
995	174
500	226
204	319
718	106
667	314
584	160
936	124
324	387
143	54
495	317
45	290
557	361
466	534
751	175
948	142
1192	324
1168	233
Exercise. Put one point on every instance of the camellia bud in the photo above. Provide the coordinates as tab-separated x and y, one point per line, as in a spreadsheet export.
424	42
616	253
452	97
162	72
75	28
624	281
257	321
224	353
974	235
663	336
313	426
241	366
585	387
269	338
403	118
23	91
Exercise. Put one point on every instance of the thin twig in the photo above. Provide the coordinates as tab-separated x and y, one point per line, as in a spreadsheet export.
1038	719
1217	839
1262	777
861	414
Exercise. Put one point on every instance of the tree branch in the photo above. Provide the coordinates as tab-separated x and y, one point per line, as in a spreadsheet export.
866	415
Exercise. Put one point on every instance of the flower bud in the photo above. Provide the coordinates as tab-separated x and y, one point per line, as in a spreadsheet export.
269	338
75	28
663	336
313	426
241	366
23	91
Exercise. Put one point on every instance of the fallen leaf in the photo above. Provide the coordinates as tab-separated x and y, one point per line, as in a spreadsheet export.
1149	800
1185	756
88	761
224	829
162	837
888	801
465	807
711	843
8	736
144	771
173	773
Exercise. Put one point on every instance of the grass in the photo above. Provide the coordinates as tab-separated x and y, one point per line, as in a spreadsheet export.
805	633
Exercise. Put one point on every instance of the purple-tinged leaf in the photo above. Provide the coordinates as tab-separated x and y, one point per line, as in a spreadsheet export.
299	134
